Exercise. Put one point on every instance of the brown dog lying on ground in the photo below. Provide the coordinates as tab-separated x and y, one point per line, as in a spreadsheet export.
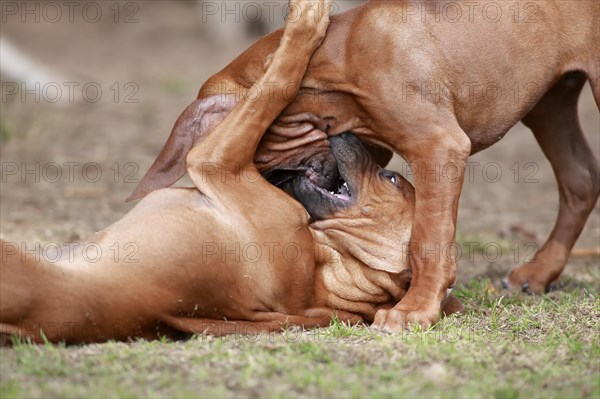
234	254
435	82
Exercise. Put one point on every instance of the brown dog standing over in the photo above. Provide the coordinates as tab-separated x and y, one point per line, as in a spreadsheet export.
235	254
435	86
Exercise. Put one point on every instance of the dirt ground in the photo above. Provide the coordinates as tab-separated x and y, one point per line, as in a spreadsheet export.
156	66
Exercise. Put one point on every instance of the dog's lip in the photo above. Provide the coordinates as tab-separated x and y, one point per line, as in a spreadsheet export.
343	197
312	175
280	176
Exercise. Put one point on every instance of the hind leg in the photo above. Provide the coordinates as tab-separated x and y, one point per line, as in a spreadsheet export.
555	124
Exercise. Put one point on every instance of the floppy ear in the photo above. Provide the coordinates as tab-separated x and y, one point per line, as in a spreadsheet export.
191	127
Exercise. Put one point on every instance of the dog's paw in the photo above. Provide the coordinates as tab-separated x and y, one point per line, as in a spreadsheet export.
307	21
527	278
396	320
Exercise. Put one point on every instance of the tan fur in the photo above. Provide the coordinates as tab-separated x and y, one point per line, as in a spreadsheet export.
415	82
189	274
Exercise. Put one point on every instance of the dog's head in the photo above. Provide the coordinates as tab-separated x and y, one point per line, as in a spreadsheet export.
290	144
370	212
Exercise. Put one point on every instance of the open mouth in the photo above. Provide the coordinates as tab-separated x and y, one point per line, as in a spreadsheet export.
281	176
321	170
310	179
321	203
305	186
325	188
340	193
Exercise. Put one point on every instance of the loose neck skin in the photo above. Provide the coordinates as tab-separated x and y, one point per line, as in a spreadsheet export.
347	283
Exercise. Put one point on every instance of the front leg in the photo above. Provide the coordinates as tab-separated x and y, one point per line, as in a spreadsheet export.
438	162
232	144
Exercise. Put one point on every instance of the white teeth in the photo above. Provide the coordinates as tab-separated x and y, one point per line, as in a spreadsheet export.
342	191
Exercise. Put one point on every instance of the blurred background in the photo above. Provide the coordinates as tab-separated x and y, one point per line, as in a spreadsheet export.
91	89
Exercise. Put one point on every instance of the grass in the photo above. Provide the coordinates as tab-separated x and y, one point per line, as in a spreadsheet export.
503	346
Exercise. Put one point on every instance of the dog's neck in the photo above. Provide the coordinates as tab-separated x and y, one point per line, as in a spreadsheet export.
345	282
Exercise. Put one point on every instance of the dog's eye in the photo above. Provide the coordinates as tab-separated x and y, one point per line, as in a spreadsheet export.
390	176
